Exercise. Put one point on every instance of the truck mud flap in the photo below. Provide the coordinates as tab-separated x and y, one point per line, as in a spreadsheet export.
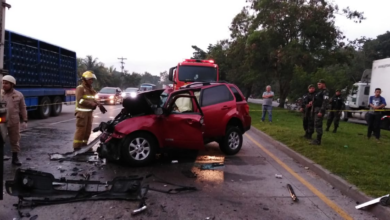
70	155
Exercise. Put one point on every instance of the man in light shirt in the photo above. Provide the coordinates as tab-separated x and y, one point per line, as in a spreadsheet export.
267	103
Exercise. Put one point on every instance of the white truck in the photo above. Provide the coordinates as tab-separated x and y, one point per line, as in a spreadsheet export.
358	98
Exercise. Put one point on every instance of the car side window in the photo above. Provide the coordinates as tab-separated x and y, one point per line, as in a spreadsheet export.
215	95
236	94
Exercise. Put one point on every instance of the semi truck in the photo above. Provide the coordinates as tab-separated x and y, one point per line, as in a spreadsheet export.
358	98
45	74
193	70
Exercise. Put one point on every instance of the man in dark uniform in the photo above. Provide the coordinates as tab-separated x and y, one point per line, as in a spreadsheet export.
306	109
337	105
320	104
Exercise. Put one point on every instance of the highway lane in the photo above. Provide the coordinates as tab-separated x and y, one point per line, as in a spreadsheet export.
244	188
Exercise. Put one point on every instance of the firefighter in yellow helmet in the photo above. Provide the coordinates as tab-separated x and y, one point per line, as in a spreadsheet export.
16	114
85	104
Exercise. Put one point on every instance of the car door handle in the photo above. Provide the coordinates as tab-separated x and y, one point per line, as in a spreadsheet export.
225	108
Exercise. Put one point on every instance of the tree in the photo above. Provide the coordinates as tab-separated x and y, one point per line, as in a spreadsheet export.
199	54
304	36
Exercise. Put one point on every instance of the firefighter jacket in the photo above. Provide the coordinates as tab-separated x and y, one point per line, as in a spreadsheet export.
16	107
85	98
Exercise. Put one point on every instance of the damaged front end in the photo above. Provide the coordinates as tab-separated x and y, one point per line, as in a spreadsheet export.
141	105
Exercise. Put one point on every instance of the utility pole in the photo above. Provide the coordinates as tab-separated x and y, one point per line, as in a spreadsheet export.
3	105
123	67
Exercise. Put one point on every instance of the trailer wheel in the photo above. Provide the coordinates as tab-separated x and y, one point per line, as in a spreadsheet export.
344	116
56	108
44	108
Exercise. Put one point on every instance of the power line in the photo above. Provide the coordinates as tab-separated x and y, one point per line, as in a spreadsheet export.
123	67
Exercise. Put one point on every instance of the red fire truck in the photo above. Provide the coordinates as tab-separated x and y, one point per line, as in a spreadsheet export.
193	70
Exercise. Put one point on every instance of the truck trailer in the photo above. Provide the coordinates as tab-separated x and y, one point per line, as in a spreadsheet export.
358	98
45	74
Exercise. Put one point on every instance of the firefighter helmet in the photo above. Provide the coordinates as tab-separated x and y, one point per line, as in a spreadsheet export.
88	75
10	79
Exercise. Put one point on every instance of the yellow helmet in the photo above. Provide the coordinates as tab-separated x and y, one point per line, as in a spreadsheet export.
88	75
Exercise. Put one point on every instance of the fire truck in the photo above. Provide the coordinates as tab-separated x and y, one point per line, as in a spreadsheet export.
193	70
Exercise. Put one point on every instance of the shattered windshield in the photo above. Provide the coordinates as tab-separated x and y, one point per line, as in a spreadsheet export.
197	74
163	98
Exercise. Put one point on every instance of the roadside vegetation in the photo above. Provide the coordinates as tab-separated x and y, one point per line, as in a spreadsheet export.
347	153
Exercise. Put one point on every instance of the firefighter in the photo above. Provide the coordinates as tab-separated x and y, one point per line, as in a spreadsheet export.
16	110
337	105
85	104
306	109
320	104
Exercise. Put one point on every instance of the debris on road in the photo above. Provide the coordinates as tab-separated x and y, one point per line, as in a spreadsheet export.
212	166
6	158
278	176
292	193
70	155
372	202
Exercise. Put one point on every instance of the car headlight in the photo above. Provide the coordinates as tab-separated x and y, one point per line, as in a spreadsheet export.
133	94
96	96
123	94
111	97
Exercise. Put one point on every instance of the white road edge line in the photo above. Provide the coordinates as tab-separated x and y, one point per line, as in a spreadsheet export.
75	118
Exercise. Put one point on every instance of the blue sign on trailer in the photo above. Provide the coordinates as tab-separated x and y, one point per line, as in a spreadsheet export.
46	74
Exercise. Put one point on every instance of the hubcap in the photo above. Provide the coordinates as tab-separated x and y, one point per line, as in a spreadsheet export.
234	140
139	149
46	108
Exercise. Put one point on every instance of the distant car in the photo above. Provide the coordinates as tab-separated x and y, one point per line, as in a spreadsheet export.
110	95
130	92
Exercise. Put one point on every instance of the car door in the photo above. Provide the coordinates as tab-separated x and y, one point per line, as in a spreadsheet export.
183	129
216	102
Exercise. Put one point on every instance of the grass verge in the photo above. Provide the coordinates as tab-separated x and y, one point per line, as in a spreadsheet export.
347	153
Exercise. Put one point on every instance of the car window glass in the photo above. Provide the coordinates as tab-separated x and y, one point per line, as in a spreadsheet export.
215	95
236	94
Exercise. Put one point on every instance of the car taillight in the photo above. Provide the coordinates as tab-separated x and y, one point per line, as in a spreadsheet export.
2	119
247	108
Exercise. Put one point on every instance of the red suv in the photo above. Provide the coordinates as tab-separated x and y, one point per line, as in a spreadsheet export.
188	118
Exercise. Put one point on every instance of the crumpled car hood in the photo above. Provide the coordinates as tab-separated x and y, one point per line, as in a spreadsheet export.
143	103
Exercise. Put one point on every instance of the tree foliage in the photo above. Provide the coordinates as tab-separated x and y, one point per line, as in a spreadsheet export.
110	77
290	44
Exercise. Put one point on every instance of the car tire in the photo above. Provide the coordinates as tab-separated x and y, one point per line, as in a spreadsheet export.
232	142
147	146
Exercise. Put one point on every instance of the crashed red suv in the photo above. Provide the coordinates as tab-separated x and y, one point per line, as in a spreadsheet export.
188	118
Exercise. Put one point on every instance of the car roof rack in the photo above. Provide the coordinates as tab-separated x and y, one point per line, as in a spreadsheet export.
195	84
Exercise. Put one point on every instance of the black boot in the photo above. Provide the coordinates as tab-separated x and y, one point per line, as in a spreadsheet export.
335	130
316	142
309	136
15	159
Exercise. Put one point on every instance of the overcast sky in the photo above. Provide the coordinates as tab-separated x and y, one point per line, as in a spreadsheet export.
153	35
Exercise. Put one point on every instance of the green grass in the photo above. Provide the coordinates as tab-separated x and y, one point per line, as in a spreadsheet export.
347	153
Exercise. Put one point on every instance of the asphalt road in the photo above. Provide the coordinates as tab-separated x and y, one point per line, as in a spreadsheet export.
244	188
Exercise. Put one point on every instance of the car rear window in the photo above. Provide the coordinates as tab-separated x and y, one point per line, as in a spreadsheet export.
215	95
236	93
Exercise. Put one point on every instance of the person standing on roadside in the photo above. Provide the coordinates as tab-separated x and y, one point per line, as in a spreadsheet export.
377	103
85	105
320	104
267	103
16	110
306	110
337	105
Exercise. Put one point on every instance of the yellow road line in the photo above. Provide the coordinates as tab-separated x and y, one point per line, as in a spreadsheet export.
325	199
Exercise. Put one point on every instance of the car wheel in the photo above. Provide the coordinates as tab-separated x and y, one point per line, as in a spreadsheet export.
138	149
232	142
